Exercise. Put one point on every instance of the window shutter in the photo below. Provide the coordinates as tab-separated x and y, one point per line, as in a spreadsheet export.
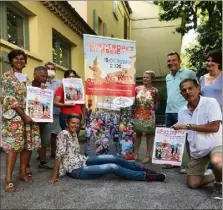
104	29
95	19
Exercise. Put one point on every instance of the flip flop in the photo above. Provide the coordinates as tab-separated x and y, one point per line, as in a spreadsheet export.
10	187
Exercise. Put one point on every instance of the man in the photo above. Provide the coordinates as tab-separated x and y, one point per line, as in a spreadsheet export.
201	117
40	78
175	100
53	84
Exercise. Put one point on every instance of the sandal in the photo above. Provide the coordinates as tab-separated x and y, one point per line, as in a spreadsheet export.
10	187
24	178
28	171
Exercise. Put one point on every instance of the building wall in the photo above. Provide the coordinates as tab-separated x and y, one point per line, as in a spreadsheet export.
154	39
41	23
104	10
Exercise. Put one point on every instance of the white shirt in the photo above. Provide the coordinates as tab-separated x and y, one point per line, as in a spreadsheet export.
201	143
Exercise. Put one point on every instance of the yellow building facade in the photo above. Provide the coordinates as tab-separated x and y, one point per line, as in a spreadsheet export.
106	18
53	31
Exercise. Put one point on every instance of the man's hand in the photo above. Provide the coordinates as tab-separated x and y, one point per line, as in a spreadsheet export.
43	86
53	180
179	126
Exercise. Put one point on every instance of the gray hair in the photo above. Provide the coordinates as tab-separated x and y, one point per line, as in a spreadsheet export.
151	73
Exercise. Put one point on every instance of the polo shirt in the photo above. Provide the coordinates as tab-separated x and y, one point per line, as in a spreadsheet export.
175	101
201	143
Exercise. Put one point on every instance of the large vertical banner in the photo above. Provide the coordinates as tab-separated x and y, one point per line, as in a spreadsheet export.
110	85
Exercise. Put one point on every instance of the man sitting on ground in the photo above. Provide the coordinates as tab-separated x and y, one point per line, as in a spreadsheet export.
202	118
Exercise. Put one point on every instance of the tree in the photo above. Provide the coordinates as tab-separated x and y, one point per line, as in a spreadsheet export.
205	17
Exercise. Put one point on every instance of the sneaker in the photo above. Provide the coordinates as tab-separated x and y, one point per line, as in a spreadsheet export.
183	171
160	177
217	191
208	172
45	166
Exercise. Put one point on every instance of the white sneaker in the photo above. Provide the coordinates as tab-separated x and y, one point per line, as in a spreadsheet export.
208	172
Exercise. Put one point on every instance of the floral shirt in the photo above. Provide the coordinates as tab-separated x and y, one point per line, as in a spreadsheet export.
68	149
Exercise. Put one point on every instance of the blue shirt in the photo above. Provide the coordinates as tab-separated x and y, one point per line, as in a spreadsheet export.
53	85
175	101
213	90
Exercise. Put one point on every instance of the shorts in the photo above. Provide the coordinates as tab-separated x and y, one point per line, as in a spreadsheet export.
197	167
55	126
115	140
45	134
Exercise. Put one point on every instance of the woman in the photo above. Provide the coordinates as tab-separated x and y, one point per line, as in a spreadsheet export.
70	162
66	109
146	103
19	133
211	83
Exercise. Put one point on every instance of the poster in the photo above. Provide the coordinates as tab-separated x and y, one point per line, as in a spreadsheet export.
110	87
168	146
73	91
39	104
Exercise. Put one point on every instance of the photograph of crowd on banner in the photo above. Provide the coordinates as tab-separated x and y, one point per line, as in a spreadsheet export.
110	92
39	104
74	91
168	146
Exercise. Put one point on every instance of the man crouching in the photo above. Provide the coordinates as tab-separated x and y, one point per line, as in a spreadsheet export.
202	117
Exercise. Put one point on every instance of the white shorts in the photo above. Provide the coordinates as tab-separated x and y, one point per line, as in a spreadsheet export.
55	126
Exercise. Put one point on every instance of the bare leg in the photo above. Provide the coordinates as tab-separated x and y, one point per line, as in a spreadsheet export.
137	144
149	147
216	161
24	161
198	181
11	157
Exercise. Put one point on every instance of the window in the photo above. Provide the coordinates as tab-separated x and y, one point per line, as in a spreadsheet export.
115	9
61	50
14	25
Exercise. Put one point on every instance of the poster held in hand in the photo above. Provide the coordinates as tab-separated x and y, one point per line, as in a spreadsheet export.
73	91
39	104
168	146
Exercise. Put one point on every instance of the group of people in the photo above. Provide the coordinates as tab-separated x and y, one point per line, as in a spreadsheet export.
191	106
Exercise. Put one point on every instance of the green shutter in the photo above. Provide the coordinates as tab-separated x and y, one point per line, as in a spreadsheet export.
104	29
95	18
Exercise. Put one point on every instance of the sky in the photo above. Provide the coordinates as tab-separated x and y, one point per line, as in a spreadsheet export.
187	39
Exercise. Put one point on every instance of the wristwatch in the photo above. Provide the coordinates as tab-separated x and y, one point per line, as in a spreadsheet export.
188	126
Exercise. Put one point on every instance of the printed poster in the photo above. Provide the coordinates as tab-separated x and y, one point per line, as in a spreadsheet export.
39	104
168	146
73	91
110	87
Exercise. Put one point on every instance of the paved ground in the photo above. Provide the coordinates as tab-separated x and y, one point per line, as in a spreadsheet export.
106	193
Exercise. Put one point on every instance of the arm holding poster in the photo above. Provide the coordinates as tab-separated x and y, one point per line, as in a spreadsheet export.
168	146
73	91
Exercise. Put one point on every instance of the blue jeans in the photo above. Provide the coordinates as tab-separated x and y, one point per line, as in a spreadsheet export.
171	119
97	166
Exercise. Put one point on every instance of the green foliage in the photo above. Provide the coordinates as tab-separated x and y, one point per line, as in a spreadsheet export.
205	17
